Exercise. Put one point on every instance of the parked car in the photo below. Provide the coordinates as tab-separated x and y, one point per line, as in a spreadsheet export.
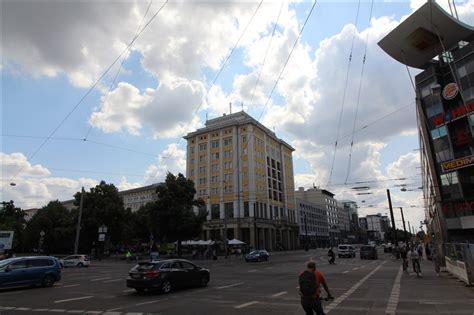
29	271
346	251
387	248
167	275
368	252
75	261
257	255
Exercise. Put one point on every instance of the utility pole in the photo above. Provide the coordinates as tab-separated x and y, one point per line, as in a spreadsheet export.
392	217
404	228
78	229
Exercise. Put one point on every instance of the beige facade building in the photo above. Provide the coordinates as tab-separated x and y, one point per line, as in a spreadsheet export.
244	173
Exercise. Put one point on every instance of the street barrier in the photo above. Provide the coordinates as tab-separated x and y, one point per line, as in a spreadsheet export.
460	261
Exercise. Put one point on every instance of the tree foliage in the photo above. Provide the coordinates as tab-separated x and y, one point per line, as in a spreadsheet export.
102	205
58	224
12	218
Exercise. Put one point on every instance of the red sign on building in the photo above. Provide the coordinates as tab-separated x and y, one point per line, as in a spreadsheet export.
453	114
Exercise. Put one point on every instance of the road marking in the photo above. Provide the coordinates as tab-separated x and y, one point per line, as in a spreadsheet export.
355	268
94	312
23	308
98	279
229	286
40	310
111	313
340	299
13	292
246	304
253	270
279	294
67	286
128	291
114	280
76	311
74	299
395	295
57	310
345	271
150	302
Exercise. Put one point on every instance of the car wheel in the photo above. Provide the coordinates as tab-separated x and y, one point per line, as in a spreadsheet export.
204	281
48	281
166	286
80	265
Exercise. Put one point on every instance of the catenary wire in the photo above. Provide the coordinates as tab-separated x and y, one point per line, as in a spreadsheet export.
358	93
344	95
112	84
88	92
287	60
266	54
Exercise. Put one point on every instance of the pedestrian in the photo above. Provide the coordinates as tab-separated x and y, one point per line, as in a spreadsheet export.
415	259
436	261
310	282
332	256
238	251
420	251
404	254
428	252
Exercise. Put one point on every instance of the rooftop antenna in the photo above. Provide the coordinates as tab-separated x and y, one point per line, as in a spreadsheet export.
230	107
242	104
206	116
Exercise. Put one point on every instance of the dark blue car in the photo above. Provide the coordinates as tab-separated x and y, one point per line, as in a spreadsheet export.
29	271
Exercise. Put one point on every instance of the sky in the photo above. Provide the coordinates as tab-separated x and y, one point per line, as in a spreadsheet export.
105	90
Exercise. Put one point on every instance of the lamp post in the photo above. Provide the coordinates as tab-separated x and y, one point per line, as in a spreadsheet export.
78	228
102	232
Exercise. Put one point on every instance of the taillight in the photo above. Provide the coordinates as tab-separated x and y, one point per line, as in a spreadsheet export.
151	274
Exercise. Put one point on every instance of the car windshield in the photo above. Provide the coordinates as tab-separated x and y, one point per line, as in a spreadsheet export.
255	252
6	262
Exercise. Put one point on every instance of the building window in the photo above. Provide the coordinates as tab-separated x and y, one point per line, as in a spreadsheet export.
191	149
215	156
227	165
215	211
215	167
192	161
202	180
203	146
202	158
229	210
214	191
202	192
228	189
227	153
202	170
244	138
227	177
246	209
227	141
215	144
214	179
192	173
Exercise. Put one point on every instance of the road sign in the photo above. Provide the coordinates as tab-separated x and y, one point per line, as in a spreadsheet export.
6	239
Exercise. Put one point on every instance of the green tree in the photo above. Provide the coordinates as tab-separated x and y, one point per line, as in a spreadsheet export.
13	219
172	217
102	205
58	224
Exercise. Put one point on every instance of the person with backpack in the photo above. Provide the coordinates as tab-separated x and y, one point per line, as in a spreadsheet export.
310	282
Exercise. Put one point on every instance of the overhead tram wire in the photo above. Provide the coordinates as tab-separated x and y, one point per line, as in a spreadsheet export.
287	60
224	64
112	84
89	91
266	54
344	94
358	93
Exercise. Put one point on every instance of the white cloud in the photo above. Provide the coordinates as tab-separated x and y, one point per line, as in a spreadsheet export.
17	164
172	159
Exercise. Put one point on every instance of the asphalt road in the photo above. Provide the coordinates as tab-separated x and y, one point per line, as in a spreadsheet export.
236	287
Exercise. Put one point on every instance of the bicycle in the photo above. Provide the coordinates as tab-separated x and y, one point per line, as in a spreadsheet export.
416	267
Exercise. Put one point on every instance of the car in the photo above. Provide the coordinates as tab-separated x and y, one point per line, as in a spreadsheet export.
75	261
167	275
346	251
29	271
368	252
257	255
387	248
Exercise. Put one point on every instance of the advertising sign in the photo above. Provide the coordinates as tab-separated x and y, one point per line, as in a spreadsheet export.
453	114
458	163
6	240
450	91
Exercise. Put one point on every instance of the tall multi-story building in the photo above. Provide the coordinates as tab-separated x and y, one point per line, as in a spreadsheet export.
443	47
343	221
313	222
244	173
352	209
325	199
376	226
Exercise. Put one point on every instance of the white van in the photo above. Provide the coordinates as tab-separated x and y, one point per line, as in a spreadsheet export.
346	251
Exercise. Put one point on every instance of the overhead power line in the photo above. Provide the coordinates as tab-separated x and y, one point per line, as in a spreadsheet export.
287	60
90	89
344	94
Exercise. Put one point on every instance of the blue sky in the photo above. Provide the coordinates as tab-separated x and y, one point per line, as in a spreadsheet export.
52	58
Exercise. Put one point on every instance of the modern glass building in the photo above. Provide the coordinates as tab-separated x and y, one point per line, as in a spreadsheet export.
443	47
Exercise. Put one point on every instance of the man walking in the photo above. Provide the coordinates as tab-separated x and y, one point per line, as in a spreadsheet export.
332	256
310	282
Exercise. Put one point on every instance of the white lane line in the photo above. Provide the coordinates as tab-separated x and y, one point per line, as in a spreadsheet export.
113	280
229	286
57	310
395	295
279	294
67	286
340	299
94	312
98	279
23	308
13	292
74	299
112	313
149	302
76	311
128	291
345	271
253	270
246	304
40	309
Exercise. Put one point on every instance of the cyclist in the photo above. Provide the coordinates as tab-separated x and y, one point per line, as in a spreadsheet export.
415	260
310	282
403	254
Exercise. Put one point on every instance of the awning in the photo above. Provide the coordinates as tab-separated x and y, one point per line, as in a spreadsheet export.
416	40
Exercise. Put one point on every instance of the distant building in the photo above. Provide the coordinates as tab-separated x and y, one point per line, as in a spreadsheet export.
343	221
244	173
29	213
313	222
352	209
376	226
325	199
